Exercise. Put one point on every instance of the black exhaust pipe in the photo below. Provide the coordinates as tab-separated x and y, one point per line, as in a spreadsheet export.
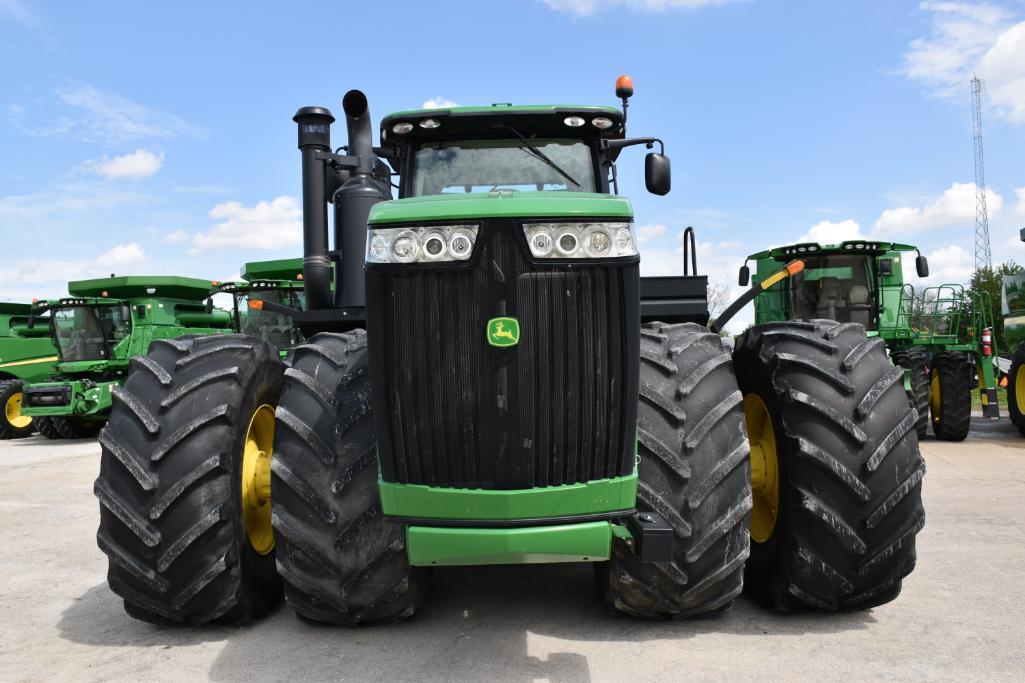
314	137
352	203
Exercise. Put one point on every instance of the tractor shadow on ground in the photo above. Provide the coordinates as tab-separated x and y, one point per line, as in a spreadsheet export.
97	618
505	622
518	622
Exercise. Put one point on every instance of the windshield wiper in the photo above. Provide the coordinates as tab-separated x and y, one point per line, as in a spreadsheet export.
541	156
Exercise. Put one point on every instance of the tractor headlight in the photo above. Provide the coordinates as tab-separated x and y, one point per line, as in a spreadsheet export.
430	244
580	240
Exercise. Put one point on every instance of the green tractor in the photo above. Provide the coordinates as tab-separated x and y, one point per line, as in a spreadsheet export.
490	381
27	354
99	331
941	336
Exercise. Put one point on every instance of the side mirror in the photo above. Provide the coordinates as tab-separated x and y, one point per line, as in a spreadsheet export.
745	276
657	176
922	266
126	312
31	321
209	307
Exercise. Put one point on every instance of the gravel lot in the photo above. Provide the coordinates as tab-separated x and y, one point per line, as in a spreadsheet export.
958	617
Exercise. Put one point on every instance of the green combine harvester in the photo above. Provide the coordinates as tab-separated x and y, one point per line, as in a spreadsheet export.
278	282
1013	309
485	378
27	354
941	336
99	331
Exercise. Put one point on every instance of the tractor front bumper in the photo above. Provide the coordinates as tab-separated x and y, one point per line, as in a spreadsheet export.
568	523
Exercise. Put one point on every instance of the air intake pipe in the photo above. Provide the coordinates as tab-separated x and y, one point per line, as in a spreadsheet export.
315	139
352	203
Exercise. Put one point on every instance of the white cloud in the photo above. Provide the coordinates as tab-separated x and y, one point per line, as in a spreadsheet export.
829	232
951	264
439	102
586	8
956	206
966	39
177	237
121	256
138	164
48	277
91	115
1020	193
17	12
646	232
267	225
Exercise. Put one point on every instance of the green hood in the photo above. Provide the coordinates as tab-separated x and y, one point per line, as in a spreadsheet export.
502	204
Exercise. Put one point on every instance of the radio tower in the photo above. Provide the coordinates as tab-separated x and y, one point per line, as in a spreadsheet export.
983	257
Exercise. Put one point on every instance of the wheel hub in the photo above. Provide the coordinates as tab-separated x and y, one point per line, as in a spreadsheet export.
764	468
12	411
1019	390
256	461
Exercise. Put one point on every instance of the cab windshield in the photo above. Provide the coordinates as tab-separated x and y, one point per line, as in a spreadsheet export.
89	332
834	287
534	165
267	325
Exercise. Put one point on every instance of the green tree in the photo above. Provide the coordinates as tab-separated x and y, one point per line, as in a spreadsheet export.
989	281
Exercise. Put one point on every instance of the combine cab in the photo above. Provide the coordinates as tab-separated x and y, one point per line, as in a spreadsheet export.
488	381
98	330
27	354
275	282
940	335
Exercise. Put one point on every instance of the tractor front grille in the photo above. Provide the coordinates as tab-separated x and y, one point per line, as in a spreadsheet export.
558	408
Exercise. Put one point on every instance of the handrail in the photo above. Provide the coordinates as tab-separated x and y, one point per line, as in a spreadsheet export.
691	250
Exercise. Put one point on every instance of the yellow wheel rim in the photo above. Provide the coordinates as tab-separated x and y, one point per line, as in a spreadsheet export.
764	468
12	411
256	457
1019	390
934	395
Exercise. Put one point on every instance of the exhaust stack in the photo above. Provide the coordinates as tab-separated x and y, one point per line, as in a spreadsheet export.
353	200
314	138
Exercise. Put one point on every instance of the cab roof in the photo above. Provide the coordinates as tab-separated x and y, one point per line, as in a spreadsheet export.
543	119
855	247
278	269
139	286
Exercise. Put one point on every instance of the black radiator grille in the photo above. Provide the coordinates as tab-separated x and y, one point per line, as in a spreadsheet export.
558	408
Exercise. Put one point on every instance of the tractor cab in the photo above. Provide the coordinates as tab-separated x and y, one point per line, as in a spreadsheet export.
856	281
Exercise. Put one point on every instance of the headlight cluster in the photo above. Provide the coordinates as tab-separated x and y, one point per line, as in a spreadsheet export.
580	240
431	244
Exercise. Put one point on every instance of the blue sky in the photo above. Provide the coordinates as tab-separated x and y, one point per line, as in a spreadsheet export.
156	138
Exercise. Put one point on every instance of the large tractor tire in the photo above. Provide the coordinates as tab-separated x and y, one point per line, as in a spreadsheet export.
916	361
340	561
48	428
13	425
836	471
1016	389
693	472
185	480
950	395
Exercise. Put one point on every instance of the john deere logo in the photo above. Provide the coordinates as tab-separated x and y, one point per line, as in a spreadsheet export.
503	331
